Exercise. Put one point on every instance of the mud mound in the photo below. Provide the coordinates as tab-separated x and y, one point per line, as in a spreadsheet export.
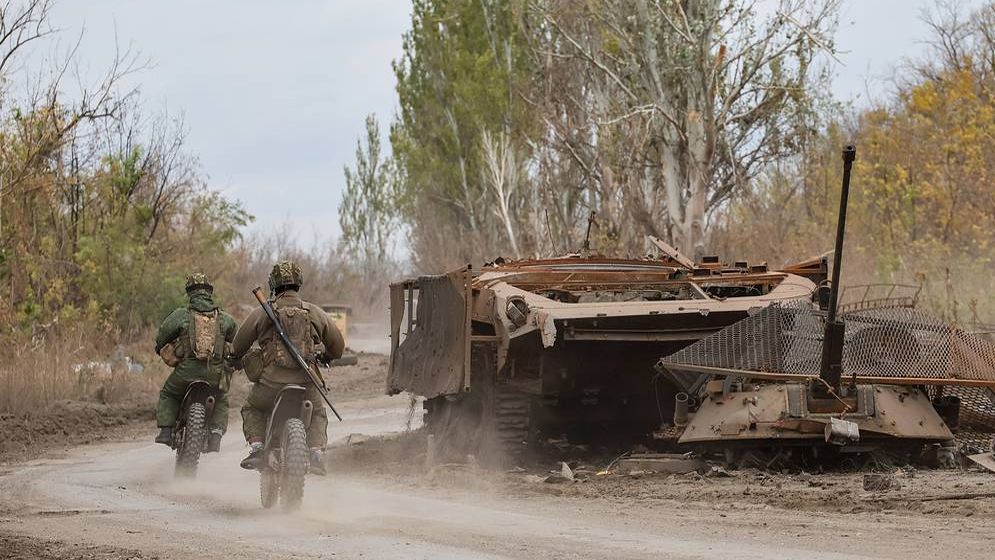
392	455
953	493
25	548
64	424
68	423
367	378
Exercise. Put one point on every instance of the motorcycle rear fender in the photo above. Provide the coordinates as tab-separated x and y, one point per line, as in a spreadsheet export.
291	402
202	392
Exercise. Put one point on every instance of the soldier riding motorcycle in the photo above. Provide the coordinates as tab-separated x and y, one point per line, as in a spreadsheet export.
285	364
192	413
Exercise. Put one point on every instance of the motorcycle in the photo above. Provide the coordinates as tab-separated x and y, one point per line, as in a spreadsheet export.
190	433
286	456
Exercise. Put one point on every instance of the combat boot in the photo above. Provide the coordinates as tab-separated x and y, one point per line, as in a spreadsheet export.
317	466
255	458
165	436
214	442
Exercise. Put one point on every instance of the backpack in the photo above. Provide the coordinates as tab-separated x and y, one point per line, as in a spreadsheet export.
203	330
297	324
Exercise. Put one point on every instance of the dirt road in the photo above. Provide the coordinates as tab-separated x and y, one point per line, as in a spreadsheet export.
117	501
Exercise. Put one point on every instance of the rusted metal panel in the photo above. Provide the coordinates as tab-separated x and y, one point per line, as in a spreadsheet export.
672	252
573	333
396	315
467	278
484	358
815	269
873	296
670	463
483	306
433	359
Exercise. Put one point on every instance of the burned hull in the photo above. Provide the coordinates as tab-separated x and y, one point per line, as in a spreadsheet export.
909	379
564	349
787	413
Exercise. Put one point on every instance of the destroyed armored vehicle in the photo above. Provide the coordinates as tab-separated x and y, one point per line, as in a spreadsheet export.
530	352
877	374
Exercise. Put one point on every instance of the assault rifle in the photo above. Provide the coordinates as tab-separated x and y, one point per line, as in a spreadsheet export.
322	390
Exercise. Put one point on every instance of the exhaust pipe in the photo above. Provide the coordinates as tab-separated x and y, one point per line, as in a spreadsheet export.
681	407
307	410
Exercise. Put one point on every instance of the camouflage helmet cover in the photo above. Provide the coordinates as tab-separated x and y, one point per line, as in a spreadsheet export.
285	273
198	280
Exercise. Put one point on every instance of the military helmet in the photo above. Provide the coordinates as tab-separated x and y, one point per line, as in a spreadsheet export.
285	273
198	281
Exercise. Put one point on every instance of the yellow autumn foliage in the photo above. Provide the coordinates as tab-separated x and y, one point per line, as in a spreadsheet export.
922	205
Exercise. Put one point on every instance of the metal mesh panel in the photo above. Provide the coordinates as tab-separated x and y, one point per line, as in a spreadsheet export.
977	416
901	343
885	345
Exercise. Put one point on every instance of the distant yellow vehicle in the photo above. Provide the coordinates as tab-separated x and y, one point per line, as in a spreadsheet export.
340	316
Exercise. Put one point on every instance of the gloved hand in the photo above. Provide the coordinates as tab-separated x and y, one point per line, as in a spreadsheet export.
234	364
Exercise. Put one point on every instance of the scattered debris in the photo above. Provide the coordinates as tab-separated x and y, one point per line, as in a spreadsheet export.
565	474
103	370
947	457
986	460
842	432
719	472
906	472
670	463
878	482
357	439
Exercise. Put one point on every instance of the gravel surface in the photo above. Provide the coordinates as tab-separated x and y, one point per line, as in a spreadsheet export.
119	500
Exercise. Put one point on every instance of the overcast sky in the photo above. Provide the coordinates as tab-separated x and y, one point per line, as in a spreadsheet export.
274	94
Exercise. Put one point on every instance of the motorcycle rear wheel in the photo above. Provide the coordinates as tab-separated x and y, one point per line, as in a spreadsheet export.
194	441
295	458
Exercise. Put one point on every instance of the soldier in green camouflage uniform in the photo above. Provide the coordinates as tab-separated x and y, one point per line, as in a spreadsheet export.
317	338
174	337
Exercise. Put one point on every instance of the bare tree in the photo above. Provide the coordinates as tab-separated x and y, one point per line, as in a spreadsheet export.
54	116
502	173
703	94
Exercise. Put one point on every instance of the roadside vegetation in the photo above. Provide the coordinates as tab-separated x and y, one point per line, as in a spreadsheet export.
708	124
102	212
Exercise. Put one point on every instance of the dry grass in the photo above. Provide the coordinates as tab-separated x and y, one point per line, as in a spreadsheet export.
75	364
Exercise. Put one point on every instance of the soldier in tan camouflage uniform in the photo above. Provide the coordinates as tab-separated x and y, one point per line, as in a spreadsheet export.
315	336
175	343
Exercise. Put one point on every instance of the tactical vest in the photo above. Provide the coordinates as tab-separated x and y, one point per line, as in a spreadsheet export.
297	324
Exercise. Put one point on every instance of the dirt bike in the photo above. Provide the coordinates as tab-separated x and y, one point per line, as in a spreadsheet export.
286	456
190	433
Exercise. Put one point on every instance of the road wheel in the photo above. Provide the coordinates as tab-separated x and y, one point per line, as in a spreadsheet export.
269	488
295	457
194	441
